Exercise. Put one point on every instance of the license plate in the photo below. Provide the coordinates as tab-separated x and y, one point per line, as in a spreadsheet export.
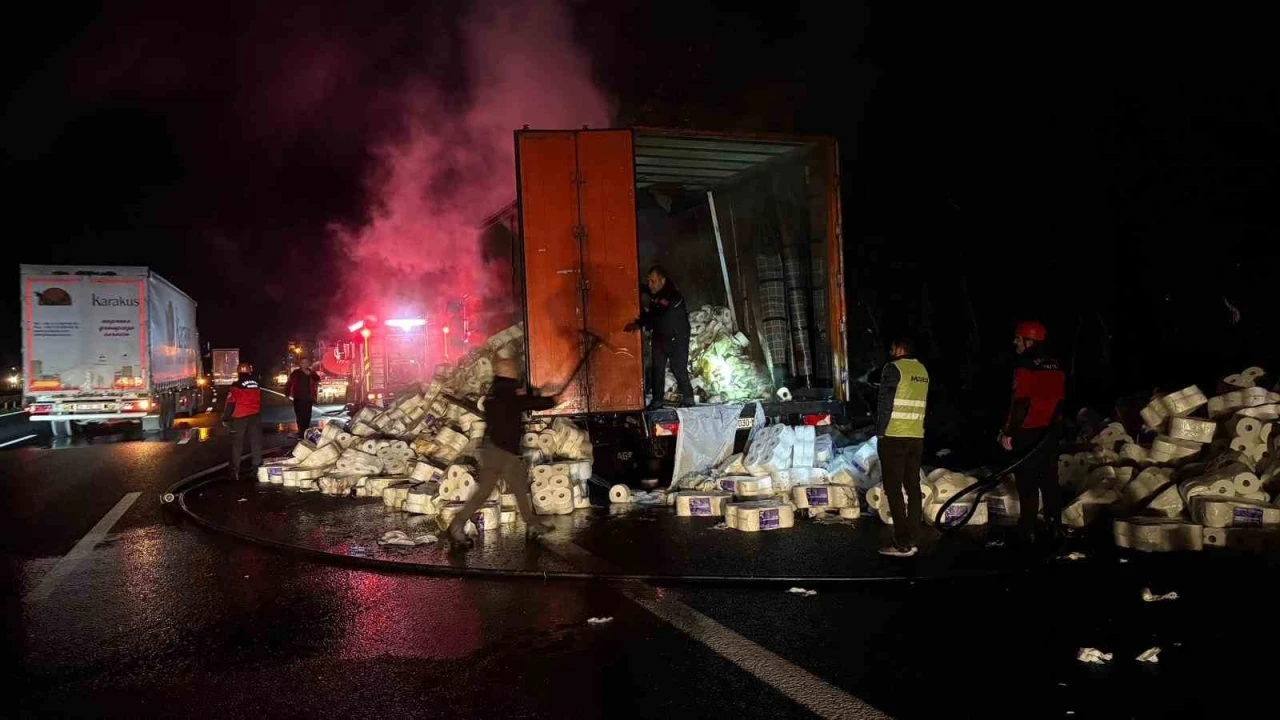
83	407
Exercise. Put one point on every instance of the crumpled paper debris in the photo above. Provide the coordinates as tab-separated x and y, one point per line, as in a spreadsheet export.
1093	655
1149	596
1151	655
400	537
802	591
599	620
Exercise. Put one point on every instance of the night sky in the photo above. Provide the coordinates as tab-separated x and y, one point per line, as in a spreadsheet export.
1112	175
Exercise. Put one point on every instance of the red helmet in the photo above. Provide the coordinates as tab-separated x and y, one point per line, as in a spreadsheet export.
1031	330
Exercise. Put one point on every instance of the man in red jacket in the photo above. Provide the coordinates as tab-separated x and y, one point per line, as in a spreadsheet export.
303	389
1039	388
243	414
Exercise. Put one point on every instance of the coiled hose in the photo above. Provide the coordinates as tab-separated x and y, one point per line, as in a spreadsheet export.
982	487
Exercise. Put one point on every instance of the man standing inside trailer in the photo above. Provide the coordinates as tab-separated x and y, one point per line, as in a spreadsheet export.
668	318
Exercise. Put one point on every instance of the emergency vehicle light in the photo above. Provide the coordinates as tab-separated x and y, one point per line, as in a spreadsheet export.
406	323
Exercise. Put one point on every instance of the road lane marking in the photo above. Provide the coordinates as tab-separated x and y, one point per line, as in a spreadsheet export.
15	442
800	685
15	412
82	550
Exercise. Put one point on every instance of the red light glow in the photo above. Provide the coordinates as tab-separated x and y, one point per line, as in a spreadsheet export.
406	323
357	325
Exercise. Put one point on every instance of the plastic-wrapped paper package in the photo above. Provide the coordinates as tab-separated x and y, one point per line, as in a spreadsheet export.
824	497
423	499
374	486
426	471
1088	507
954	513
1265	413
337	484
732	465
322	457
1134	452
1165	449
1112	435
1157	534
1191	429
1219	512
396	494
803	450
1108	477
303	449
292	476
701	504
951	483
1253	539
1003	503
840	472
770	451
1184	402
1145	484
823	450
355	462
759	516
1154	414
753	487
865	461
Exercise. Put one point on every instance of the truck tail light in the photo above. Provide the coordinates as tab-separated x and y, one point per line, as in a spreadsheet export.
818	420
42	409
135	405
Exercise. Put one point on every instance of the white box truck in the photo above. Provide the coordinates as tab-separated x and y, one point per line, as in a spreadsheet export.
226	366
107	343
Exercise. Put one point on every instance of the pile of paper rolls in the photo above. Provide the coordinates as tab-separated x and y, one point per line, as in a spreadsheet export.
720	364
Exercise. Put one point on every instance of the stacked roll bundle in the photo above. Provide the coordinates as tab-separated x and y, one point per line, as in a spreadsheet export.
1192	429
427	471
1111	436
337	484
1165	449
771	450
803	449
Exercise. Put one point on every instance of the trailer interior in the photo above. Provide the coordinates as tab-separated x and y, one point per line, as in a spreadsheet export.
747	222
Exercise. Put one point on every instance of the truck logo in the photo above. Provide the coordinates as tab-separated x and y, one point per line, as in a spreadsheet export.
108	301
53	296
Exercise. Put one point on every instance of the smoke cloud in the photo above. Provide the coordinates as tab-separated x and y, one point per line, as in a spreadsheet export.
450	161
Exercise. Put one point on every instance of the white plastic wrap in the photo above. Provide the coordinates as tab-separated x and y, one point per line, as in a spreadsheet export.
1192	429
770	451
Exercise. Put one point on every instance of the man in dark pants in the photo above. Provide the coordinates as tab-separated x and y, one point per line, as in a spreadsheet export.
303	388
500	457
904	393
668	317
1039	389
243	414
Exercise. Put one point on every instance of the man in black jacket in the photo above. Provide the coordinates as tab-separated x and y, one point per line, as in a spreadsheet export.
668	317
504	408
303	388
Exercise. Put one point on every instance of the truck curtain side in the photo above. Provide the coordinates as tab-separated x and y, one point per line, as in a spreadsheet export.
746	221
226	366
107	343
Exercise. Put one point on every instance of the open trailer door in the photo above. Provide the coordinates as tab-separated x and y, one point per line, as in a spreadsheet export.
581	280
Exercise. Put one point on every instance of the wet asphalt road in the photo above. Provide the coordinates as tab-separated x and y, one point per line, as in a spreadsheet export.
162	619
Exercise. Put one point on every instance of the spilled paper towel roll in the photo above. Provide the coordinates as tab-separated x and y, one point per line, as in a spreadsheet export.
701	504
1157	534
620	494
759	516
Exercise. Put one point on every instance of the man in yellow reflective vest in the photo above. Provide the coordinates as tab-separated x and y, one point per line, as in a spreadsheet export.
904	392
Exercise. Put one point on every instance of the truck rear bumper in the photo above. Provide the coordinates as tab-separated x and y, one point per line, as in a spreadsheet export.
88	417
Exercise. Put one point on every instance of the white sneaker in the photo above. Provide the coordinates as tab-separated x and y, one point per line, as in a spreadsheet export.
895	551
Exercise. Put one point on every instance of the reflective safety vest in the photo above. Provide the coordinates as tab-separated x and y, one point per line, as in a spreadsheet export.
907	418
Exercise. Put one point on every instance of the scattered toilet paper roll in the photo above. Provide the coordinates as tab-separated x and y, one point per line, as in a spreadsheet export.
540	471
850	513
560	481
540	483
875	497
271	474
1245	427
620	494
1198	431
955	513
424	471
1135	453
1253	372
561	469
529	440
507	517
701	504
1220	512
322	457
1157	534
1166	449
